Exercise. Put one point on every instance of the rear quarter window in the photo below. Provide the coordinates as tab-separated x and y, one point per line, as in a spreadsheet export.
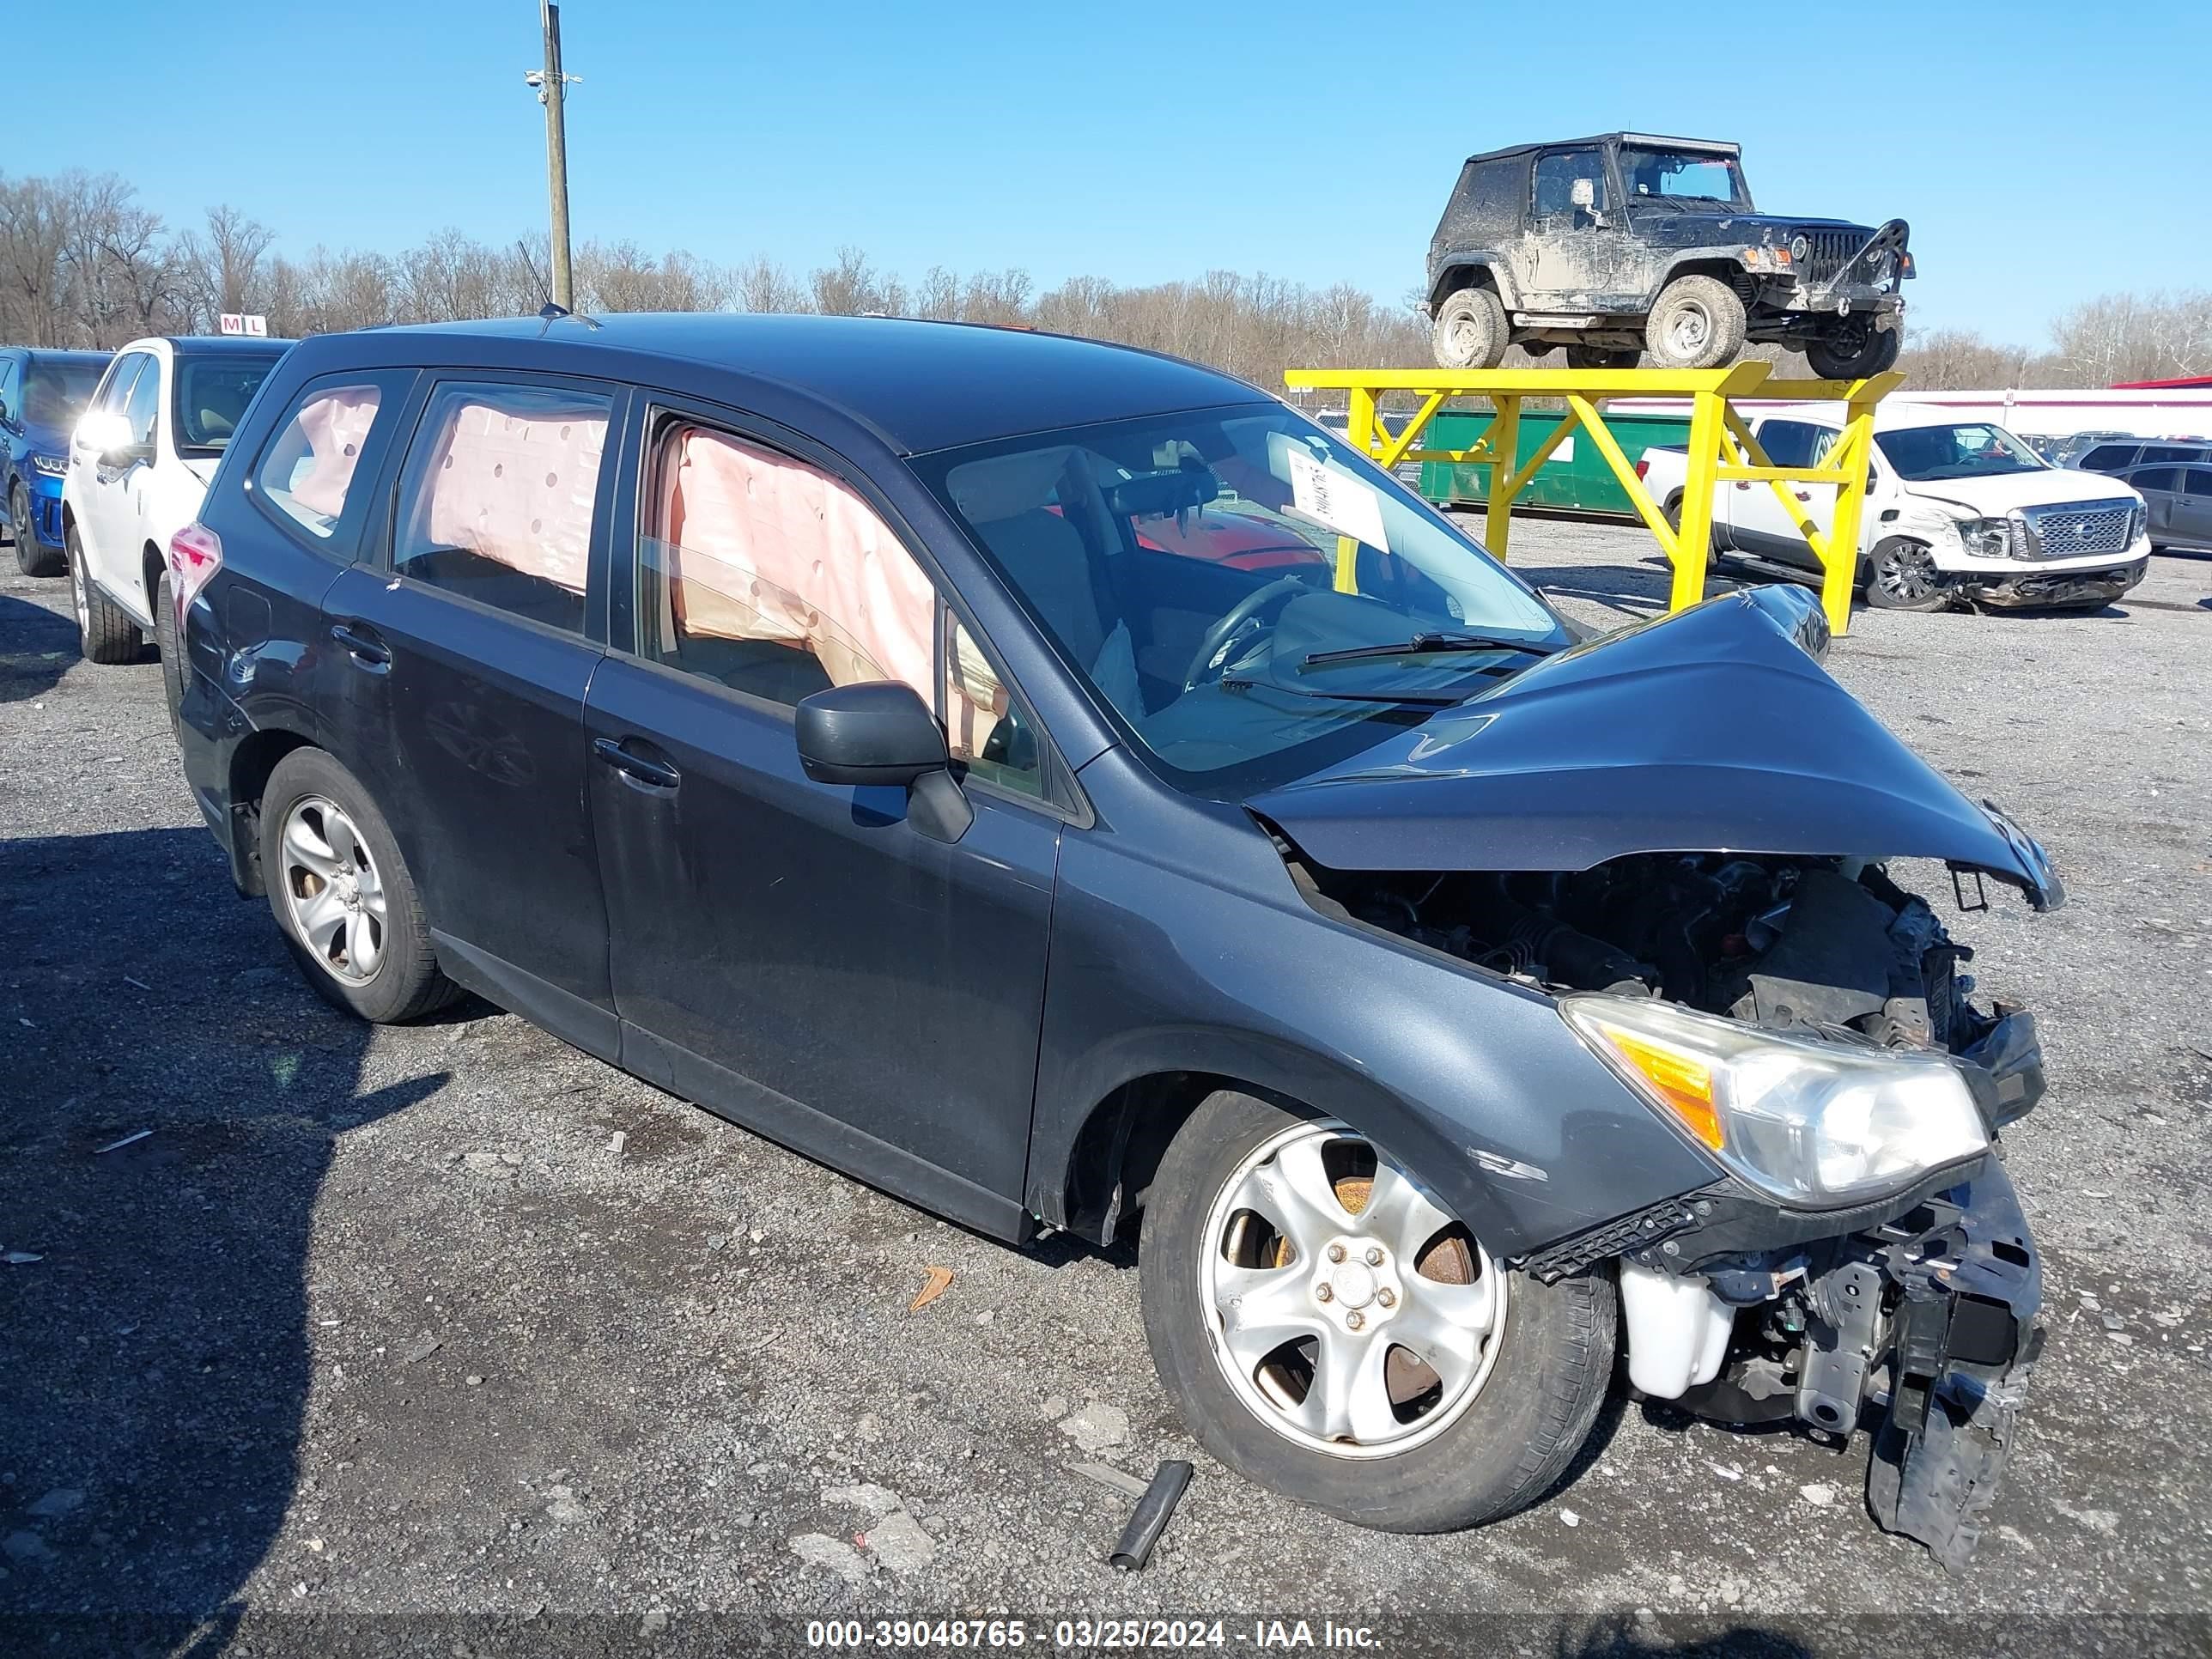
309	469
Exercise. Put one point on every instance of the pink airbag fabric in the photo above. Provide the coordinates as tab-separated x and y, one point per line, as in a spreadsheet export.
333	425
519	488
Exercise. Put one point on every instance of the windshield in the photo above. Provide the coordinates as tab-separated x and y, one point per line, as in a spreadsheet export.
1922	454
1655	175
212	393
1200	570
55	394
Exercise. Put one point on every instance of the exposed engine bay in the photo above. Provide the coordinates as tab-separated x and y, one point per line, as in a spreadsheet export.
1915	1317
1830	947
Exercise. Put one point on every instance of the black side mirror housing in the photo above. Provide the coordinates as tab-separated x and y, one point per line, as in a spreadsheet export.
879	734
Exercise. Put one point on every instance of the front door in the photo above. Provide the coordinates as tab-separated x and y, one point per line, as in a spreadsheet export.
798	955
108	512
454	680
2160	489
1581	250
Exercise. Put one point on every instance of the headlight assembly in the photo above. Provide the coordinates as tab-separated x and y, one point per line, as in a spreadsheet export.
51	466
1995	538
1814	1125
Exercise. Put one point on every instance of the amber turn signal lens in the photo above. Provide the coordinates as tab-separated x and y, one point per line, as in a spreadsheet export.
1683	1081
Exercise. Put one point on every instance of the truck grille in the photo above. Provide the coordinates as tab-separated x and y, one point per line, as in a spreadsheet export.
1831	251
2067	531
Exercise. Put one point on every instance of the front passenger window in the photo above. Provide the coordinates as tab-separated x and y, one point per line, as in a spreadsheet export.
497	499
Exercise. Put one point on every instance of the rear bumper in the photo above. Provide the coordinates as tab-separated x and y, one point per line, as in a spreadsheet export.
2097	585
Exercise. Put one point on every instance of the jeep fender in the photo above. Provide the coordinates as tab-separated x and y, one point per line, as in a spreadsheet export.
1452	269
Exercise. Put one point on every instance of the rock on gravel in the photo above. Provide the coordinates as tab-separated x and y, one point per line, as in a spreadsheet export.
1096	1427
832	1555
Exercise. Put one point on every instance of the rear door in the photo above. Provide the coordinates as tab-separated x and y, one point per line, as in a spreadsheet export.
2191	514
458	661
797	955
1758	523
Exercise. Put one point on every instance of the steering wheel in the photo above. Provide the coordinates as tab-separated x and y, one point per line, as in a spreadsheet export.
1212	646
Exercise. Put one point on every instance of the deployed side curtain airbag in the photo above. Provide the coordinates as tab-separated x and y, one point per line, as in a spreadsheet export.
517	488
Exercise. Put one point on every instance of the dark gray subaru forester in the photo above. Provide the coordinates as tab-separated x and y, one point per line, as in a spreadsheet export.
1060	785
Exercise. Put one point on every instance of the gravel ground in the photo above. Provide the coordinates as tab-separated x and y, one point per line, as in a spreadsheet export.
452	1323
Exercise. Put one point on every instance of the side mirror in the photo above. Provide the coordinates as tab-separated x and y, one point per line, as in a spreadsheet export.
104	432
1583	192
879	734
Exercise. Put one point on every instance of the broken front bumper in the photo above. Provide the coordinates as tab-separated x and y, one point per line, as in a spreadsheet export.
2054	588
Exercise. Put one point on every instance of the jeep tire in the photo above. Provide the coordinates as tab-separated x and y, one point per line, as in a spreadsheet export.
1470	330
1697	322
1855	351
1500	1449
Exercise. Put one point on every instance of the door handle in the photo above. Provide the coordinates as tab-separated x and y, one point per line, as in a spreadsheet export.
363	645
659	774
1743	483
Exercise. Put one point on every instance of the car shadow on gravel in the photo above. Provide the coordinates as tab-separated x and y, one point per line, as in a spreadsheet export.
37	648
155	1353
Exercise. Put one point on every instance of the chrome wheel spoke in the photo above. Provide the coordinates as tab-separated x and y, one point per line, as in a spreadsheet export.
321	917
364	942
1350	1399
1443	1325
1261	1309
1400	1214
308	850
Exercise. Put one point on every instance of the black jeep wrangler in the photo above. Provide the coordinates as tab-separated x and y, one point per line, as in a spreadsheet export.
1624	245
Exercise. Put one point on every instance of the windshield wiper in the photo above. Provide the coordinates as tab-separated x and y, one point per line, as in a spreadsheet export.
1416	699
1424	645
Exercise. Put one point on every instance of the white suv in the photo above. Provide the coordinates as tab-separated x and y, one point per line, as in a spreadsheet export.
138	464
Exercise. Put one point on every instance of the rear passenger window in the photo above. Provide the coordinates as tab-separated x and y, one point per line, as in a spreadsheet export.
306	472
1787	443
2198	481
497	499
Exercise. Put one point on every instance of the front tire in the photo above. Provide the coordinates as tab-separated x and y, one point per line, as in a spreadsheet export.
32	557
1901	575
1413	1386
343	896
1698	322
106	633
1854	353
1470	330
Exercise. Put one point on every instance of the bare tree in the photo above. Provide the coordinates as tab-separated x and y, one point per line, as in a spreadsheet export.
223	264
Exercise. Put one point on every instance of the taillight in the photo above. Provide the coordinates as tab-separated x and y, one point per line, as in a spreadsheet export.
195	555
1643	469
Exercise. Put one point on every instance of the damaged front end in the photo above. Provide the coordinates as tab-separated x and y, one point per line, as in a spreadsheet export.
1784	1293
1788	1008
1822	1291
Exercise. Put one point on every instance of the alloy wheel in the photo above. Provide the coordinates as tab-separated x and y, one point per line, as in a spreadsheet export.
332	889
1348	1311
1689	329
1907	574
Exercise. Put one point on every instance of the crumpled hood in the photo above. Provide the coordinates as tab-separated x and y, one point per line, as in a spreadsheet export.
2000	493
1708	731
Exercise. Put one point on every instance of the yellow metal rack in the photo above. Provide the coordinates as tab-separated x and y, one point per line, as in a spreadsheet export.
1721	450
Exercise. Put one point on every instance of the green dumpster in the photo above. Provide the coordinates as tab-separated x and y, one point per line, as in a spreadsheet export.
1575	479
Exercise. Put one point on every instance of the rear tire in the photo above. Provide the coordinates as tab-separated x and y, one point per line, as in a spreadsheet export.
1488	1442
171	653
1470	330
1580	356
1698	322
343	896
1854	352
106	633
32	557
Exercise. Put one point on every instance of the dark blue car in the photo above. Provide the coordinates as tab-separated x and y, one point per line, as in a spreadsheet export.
814	717
42	393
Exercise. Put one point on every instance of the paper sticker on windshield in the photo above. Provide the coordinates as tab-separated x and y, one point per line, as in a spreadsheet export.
1335	502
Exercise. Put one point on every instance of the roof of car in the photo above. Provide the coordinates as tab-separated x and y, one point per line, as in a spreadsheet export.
1717	146
217	345
69	355
920	385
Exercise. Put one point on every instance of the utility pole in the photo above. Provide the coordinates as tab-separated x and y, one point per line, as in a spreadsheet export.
552	86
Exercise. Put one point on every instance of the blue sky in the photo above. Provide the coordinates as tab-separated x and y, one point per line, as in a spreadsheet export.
2044	152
